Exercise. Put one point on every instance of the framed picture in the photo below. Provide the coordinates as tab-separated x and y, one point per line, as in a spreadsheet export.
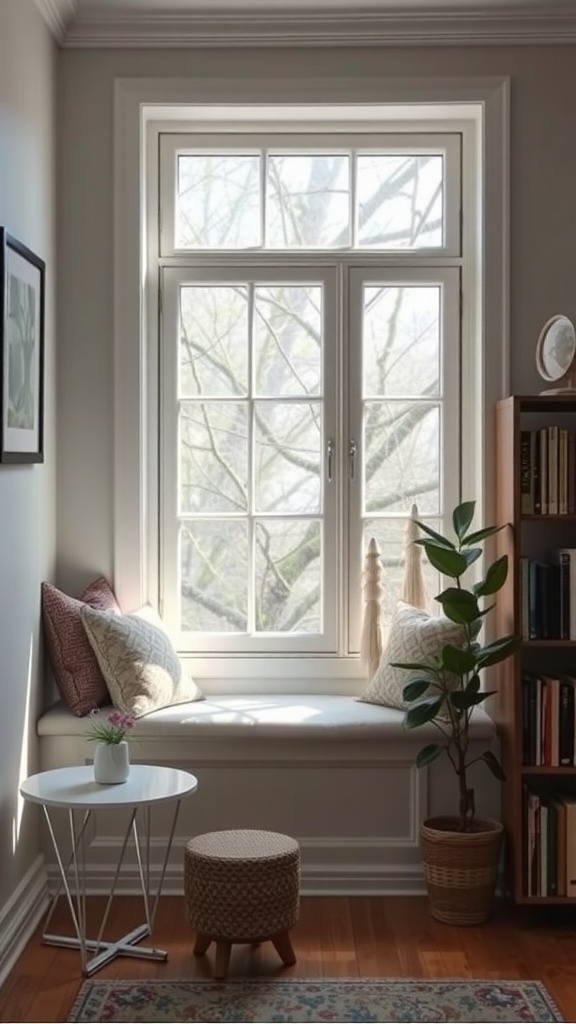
21	352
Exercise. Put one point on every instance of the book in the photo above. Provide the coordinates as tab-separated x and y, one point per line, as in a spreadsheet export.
568	555
526	476
533	844
563	435
543	875
552	850
570	804
543	446
525	595
566	721
572	472
564	563
560	815
553	470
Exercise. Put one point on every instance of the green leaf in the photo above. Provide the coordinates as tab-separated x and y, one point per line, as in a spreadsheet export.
459	605
494	765
473	684
462	516
444	541
448	562
415	688
497	651
414	666
441	543
478	535
428	754
463	700
471	555
458	661
495	577
422	712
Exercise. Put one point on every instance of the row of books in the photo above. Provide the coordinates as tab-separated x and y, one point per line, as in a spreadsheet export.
548	720
548	597
548	471
549	850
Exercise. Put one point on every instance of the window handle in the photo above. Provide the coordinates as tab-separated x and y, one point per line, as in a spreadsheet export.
352	450
329	458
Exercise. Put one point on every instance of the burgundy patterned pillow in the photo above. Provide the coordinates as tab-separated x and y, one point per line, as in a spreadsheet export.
74	664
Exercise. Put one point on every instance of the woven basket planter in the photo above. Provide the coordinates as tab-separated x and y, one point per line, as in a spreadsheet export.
460	868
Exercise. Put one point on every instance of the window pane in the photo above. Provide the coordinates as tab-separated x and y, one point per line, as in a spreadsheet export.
213	562
213	340
308	201
213	457
400	201
288	340
288	576
402	457
218	201
287	440
401	340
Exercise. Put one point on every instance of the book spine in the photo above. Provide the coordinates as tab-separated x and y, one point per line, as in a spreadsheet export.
552	851
543	435
563	471
570	847
572	472
553	470
526	491
566	723
564	595
536	469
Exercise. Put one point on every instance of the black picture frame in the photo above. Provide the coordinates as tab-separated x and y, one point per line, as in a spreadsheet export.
22	274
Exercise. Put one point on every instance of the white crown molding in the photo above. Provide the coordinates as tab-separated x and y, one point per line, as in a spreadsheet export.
58	14
480	26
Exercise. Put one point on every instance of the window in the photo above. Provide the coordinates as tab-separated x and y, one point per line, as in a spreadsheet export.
309	363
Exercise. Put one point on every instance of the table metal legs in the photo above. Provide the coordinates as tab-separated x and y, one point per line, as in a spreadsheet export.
74	871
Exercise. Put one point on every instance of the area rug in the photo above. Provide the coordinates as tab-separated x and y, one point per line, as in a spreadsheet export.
326	1000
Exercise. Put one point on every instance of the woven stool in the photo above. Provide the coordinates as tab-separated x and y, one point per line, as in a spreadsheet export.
242	886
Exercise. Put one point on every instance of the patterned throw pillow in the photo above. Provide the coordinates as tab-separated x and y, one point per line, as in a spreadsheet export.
415	635
74	664
138	661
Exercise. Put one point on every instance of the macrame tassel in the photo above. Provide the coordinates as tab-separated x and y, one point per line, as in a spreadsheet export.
413	589
371	641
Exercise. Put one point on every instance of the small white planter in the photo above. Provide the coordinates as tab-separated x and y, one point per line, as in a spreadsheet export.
111	762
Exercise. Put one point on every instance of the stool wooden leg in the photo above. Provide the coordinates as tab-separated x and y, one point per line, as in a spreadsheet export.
222	959
201	944
283	947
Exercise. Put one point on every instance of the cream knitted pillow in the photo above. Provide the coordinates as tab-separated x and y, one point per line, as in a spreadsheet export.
138	661
415	635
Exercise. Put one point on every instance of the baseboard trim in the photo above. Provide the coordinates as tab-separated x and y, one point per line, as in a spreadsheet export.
20	915
315	880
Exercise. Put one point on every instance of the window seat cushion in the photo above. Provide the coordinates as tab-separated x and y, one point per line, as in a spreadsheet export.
309	716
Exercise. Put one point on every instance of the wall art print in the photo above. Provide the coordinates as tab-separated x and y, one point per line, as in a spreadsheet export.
22	352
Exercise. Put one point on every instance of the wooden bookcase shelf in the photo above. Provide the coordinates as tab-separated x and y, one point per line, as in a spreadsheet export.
536	537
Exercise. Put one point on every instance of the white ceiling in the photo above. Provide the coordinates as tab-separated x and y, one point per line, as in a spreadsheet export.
309	22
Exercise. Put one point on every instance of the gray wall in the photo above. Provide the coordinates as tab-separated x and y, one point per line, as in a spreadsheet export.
543	230
27	492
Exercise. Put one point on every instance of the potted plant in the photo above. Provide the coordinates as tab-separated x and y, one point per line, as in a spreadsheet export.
460	853
111	755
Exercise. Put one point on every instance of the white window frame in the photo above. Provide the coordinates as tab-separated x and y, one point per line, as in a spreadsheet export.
480	109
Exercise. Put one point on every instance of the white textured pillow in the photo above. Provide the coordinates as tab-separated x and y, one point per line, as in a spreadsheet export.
138	661
415	635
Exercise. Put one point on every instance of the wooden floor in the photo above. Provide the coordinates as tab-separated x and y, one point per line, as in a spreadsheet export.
335	937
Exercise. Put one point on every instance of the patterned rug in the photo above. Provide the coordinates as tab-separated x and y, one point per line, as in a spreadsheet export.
323	1000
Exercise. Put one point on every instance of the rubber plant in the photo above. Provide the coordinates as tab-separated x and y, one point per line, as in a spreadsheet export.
452	687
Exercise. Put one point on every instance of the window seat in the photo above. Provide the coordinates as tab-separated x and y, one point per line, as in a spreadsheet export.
337	774
304	716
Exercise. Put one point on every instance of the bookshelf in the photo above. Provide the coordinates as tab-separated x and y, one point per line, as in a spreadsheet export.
535	684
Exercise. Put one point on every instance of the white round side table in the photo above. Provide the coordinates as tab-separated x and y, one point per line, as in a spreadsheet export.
74	790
